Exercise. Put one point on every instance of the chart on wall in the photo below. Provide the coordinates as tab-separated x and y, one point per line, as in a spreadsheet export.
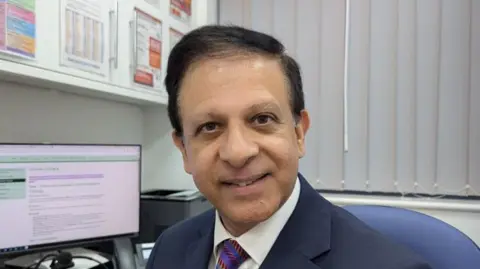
147	51
175	36
82	35
18	28
181	10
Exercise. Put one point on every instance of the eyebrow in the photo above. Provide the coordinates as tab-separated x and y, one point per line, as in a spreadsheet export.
257	107
267	105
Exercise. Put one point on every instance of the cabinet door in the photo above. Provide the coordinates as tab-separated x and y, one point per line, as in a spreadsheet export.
134	15
139	25
71	37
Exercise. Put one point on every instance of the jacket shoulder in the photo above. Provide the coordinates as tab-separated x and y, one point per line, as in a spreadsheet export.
189	228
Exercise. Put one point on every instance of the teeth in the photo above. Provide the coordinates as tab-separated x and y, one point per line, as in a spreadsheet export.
243	184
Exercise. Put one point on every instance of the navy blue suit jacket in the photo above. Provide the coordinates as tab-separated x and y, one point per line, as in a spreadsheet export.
317	235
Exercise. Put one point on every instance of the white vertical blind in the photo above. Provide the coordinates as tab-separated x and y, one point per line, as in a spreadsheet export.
413	89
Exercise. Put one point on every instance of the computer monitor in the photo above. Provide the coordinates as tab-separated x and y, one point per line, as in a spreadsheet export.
58	195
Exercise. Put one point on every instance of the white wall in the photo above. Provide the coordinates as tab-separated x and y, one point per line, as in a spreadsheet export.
29	114
164	161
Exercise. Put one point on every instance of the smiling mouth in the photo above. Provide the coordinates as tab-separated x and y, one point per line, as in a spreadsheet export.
234	183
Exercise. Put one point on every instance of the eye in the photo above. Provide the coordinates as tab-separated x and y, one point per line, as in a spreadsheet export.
208	127
263	119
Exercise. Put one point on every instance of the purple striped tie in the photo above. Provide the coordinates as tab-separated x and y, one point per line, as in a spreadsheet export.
231	256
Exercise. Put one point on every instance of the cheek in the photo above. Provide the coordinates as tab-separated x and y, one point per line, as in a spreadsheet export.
285	155
202	162
283	150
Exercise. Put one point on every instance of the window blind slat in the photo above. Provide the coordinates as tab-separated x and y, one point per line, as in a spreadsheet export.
262	16
405	97
308	37
383	76
330	103
453	98
474	114
358	77
284	23
428	62
230	12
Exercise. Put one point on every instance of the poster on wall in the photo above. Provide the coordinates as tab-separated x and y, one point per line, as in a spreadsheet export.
181	10
147	51
18	28
82	35
175	36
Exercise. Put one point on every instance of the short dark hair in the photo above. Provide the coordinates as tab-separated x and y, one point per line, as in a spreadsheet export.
222	41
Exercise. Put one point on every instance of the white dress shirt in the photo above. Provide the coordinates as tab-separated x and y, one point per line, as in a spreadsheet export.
258	241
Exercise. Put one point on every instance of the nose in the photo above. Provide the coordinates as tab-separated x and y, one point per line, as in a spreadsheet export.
238	148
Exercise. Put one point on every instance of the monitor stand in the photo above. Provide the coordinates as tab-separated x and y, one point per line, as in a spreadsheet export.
123	253
29	260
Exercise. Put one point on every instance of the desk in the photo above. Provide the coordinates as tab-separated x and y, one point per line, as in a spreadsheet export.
81	263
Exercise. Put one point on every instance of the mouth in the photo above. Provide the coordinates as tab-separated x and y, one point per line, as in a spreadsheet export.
244	183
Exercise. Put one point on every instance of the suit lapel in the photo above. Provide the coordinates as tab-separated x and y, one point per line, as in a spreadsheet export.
199	252
306	234
291	259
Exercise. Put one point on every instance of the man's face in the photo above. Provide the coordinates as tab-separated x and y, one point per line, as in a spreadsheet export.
241	143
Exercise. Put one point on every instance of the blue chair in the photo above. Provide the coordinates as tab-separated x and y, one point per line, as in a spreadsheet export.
439	243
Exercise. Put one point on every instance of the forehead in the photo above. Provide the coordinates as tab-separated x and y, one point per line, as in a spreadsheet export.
227	84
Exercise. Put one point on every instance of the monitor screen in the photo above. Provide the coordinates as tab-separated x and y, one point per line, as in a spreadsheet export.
54	195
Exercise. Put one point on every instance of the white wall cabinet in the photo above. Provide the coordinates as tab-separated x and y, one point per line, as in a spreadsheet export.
48	49
47	71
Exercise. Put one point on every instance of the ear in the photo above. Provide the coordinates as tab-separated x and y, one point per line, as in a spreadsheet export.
179	143
301	128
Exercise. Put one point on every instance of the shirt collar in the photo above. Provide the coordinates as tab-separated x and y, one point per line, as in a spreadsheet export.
258	241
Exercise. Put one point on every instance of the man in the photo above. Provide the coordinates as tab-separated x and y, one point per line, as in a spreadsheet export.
237	108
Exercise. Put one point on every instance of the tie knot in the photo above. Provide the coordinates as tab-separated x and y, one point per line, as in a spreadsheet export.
232	255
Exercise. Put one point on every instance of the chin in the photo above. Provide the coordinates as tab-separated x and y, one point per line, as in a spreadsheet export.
250	213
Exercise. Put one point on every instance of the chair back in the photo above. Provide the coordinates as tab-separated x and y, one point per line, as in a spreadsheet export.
440	244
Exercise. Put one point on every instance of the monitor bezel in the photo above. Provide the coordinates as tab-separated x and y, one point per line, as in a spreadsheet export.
86	241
